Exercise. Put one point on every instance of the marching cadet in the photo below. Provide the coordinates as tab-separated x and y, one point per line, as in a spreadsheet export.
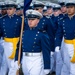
50	9
57	56
35	48
10	26
63	6
22	7
59	60
45	11
66	28
51	17
56	12
63	9
19	10
3	9
57	9
46	25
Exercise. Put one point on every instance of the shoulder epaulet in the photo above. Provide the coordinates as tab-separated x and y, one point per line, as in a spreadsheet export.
62	18
47	17
4	16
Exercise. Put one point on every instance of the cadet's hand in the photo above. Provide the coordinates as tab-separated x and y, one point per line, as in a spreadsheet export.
16	65
47	71
14	68
57	49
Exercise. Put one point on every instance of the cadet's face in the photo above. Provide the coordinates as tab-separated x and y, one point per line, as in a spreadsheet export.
57	12
71	10
45	13
21	11
33	22
63	9
4	12
50	11
11	11
18	12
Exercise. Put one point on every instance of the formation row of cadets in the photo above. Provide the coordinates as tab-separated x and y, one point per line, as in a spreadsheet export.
56	24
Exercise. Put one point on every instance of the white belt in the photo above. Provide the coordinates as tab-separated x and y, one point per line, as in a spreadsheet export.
32	54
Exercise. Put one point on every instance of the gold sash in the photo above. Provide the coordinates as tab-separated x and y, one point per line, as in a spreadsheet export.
14	41
71	42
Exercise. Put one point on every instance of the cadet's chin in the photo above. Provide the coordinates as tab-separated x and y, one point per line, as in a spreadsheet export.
31	26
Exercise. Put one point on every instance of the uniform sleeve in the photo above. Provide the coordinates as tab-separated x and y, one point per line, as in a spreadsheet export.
51	33
59	35
46	51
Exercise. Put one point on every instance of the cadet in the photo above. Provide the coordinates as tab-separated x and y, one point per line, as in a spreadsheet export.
63	10
3	9
22	7
35	45
57	9
10	26
45	11
18	10
59	61
63	6
45	24
66	28
49	9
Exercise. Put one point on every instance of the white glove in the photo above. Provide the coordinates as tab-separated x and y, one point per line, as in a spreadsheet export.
15	65
14	68
57	49
52	53
46	71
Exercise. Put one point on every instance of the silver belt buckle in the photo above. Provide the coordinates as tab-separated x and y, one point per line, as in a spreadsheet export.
28	54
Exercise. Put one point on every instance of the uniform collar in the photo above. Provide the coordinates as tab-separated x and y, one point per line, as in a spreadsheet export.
4	15
34	28
11	16
71	16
